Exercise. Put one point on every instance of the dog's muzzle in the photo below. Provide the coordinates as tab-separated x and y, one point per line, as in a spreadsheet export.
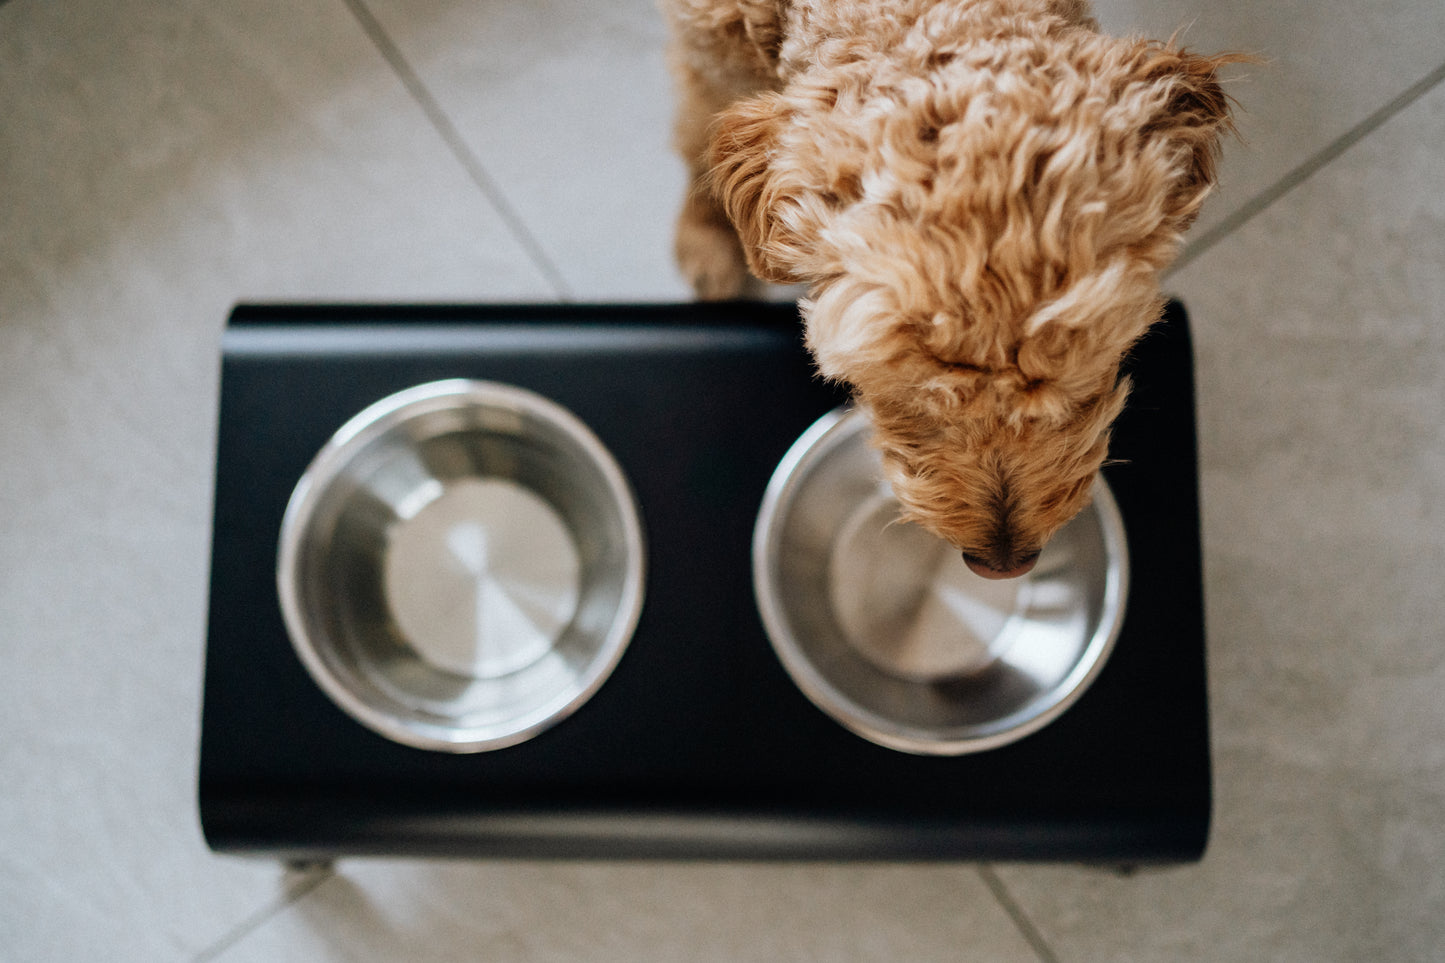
983	569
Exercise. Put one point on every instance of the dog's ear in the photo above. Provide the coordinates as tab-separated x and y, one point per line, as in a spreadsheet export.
774	216
1193	118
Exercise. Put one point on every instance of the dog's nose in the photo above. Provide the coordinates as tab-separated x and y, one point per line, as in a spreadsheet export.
981	568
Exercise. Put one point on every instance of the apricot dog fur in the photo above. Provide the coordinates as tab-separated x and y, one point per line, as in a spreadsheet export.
980	195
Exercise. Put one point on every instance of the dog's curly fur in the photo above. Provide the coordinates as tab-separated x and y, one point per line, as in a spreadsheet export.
980	194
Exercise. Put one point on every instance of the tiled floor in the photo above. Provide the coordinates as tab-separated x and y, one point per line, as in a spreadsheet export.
161	160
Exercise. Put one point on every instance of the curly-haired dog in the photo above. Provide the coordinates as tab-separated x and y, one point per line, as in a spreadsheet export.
980	194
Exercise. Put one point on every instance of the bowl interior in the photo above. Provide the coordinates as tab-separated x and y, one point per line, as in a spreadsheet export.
883	626
461	566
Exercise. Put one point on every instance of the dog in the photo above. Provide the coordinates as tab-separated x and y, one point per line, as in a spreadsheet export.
980	196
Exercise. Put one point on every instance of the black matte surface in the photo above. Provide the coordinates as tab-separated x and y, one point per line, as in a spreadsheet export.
699	745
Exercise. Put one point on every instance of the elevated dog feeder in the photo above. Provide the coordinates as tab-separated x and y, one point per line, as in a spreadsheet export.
698	744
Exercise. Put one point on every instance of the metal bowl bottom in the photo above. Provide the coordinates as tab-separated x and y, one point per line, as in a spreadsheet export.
484	579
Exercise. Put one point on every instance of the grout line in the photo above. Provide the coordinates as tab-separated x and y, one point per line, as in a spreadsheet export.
1308	169
458	146
293	893
1010	906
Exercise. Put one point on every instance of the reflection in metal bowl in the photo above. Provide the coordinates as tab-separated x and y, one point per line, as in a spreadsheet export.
883	626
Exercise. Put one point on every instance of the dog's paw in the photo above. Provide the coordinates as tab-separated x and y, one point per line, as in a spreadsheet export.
710	258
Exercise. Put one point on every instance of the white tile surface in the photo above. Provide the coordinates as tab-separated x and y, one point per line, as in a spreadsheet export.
1322	385
161	160
568	106
640	912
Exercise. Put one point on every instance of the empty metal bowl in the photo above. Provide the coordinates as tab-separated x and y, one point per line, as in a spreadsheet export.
883	626
461	566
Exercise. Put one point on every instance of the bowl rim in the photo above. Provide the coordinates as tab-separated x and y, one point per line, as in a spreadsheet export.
352	438
1024	721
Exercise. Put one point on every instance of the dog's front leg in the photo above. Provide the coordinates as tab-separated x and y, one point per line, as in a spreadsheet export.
705	245
719	51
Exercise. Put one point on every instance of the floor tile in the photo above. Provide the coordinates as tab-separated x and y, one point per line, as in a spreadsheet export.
638	912
568	107
1322	380
160	162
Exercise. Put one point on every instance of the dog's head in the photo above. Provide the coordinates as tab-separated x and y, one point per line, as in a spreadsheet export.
983	231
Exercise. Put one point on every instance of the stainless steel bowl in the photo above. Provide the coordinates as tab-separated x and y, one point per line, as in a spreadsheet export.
461	566
883	626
